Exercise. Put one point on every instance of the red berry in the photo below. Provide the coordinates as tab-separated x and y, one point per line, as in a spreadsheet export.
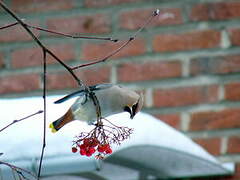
88	153
108	151
91	150
83	146
100	149
74	149
82	152
106	146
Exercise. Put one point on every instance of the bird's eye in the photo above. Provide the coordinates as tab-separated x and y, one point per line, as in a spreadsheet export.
127	109
134	108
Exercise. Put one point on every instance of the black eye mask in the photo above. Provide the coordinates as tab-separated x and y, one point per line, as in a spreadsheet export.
134	109
127	109
131	111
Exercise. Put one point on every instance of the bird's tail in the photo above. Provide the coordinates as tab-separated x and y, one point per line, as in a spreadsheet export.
59	123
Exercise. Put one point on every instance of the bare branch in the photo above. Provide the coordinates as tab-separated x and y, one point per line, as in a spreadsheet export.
106	57
149	20
16	121
45	114
72	36
8	25
155	13
18	169
60	33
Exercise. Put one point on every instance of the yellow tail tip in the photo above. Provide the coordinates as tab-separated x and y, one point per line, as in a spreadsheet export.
53	128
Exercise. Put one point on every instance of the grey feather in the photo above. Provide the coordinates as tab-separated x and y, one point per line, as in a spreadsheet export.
83	92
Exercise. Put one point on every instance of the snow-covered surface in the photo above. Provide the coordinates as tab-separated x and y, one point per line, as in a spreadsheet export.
21	143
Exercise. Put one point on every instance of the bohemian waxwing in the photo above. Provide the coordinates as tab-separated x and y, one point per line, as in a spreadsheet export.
112	99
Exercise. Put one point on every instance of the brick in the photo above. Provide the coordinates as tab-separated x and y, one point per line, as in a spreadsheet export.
34	57
211	120
98	23
186	41
171	119
215	65
233	145
105	3
16	33
63	80
212	145
215	11
200	12
19	83
27	6
225	10
134	19
98	51
130	72
232	91
184	96
93	76
60	80
235	36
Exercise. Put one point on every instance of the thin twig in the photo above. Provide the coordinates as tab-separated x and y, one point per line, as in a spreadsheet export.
8	25
16	121
61	33
18	168
72	36
154	14
106	57
45	110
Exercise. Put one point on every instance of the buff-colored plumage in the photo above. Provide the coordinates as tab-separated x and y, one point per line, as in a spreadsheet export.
112	99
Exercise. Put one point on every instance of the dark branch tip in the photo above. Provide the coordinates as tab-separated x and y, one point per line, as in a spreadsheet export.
40	111
115	40
14	121
131	38
156	12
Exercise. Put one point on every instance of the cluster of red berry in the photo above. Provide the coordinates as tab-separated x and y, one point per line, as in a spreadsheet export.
90	146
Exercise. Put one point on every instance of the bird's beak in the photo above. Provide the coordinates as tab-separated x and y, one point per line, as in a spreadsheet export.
130	111
132	114
136	107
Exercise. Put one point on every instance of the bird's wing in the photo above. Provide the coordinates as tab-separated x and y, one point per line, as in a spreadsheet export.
72	95
83	92
100	86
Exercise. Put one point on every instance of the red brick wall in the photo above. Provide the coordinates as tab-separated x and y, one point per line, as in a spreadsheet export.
188	66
